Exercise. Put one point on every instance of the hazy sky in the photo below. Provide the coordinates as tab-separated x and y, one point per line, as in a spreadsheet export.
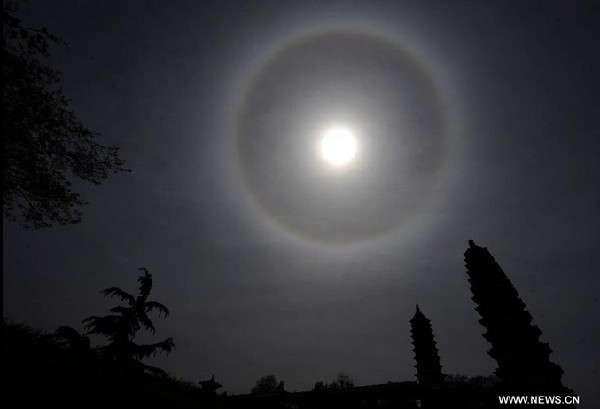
493	110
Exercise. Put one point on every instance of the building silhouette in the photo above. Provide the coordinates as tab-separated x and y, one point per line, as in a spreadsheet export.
523	361
429	369
524	364
210	385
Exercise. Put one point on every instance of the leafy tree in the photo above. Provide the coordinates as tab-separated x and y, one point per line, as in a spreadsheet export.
121	327
43	142
320	386
479	381
457	378
343	381
268	384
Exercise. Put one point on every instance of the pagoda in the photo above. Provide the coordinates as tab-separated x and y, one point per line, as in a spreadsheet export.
523	360
210	385
429	370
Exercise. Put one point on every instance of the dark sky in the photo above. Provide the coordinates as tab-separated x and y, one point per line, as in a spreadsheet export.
252	293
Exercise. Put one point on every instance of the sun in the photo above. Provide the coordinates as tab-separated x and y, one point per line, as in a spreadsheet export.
338	146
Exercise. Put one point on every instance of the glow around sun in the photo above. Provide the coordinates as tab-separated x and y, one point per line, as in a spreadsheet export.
338	146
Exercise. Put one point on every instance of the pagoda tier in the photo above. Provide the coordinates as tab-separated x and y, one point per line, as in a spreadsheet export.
428	365
523	361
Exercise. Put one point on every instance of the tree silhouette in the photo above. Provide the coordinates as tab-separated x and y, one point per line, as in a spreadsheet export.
343	381
320	386
268	384
43	141
481	381
121	327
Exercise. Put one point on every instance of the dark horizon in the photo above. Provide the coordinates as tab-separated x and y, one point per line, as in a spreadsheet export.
474	121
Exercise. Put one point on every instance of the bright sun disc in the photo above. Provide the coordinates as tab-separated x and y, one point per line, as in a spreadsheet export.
338	146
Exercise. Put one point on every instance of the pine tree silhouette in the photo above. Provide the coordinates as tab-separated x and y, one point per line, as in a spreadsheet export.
121	327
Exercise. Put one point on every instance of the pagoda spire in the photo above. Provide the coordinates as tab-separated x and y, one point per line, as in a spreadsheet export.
523	361
428	365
